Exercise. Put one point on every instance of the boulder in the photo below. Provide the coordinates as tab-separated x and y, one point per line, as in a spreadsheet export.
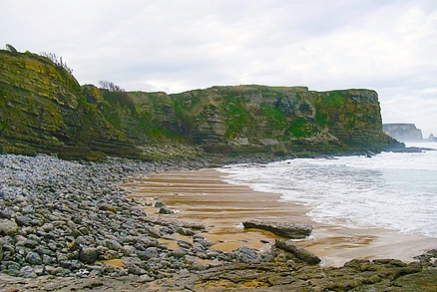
165	210
247	255
113	244
88	255
298	251
288	230
8	227
27	272
150	252
33	258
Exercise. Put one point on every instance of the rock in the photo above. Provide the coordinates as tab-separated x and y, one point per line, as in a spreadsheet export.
184	244
159	204
39	270
165	210
298	251
153	232
71	265
88	255
113	244
74	245
33	258
247	255
178	253
135	270
27	272
48	227
150	252
8	227
185	231
23	220
289	230
107	207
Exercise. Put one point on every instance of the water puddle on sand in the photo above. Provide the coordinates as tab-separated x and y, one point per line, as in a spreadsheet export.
115	263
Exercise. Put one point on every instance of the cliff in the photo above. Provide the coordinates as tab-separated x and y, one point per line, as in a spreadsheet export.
43	109
403	132
281	119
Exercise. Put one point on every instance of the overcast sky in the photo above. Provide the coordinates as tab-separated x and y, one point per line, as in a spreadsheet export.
179	45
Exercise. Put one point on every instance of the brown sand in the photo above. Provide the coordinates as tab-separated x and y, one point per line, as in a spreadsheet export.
203	197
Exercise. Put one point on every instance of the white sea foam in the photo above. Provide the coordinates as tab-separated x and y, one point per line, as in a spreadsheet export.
396	191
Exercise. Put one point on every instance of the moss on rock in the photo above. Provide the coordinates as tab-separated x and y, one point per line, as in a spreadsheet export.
44	109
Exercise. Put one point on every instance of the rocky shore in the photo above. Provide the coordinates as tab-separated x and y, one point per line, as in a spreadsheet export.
68	226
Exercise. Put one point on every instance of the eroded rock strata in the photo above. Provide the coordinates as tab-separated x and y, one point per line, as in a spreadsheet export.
43	109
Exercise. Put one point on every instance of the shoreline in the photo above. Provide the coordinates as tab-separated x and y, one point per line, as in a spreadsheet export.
70	226
203	196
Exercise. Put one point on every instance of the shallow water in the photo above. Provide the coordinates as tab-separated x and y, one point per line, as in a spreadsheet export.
396	191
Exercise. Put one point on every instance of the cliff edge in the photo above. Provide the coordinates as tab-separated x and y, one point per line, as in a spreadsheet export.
43	109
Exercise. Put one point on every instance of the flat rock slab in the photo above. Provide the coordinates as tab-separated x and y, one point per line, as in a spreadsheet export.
288	230
297	251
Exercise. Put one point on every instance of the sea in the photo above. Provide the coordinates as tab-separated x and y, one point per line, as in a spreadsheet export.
394	191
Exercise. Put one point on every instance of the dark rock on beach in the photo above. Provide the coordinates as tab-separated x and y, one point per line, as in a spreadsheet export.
288	230
298	251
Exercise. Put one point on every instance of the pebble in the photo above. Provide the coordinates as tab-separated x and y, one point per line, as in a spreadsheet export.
61	217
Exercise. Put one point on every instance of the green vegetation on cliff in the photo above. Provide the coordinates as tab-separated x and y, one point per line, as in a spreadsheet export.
44	109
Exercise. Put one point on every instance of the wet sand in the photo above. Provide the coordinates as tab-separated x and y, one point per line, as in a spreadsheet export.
203	197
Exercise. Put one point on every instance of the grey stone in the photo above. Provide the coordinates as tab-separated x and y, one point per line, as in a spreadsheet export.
27	272
178	253
150	252
134	269
165	210
14	266
88	255
159	204
153	232
8	227
247	255
33	258
184	244
47	260
48	227
113	244
185	231
39	270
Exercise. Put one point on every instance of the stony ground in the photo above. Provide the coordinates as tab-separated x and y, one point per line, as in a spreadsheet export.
66	226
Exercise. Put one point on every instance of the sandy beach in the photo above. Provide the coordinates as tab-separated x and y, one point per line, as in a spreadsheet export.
204	197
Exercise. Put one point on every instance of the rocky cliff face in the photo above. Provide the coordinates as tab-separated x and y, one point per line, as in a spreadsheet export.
43	109
403	132
282	119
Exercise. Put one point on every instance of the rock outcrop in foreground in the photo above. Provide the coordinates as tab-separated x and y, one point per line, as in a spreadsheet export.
43	109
